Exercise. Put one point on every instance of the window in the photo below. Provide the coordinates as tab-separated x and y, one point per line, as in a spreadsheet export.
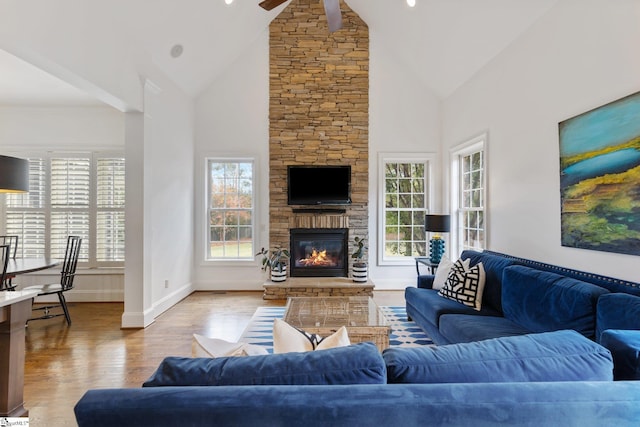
468	170
71	194
405	184
230	209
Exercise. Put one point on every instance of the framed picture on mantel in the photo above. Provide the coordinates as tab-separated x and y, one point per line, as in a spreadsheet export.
600	178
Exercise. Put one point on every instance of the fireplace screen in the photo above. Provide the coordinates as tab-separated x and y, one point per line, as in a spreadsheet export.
319	252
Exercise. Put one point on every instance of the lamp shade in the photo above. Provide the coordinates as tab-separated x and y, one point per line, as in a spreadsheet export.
437	223
14	175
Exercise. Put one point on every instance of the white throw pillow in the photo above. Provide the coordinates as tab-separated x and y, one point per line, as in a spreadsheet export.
288	339
465	285
442	272
213	347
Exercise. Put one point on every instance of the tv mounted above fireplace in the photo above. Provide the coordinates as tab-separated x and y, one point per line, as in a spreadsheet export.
319	185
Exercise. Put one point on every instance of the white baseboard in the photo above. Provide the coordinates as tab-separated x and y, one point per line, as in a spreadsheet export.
172	299
137	320
236	285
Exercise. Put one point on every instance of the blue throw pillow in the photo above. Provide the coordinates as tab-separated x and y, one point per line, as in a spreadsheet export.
356	364
541	301
550	356
617	311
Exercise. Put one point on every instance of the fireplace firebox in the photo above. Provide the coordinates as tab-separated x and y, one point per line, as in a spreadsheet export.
319	252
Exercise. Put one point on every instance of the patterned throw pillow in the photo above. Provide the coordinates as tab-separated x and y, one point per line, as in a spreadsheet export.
443	271
465	284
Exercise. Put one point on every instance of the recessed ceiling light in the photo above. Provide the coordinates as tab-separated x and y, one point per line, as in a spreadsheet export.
411	3
228	2
176	50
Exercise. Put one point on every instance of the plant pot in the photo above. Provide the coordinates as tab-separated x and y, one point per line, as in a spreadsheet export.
279	276
359	272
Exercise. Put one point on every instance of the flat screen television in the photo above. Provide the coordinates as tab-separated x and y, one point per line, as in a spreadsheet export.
319	185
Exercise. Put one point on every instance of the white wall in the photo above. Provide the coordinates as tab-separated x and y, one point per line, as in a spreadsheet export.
36	129
232	119
62	128
159	215
404	117
581	55
169	179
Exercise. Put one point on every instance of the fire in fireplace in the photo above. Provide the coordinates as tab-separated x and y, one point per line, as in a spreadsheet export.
319	252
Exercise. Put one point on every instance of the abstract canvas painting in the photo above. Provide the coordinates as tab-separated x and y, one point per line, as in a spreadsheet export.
600	178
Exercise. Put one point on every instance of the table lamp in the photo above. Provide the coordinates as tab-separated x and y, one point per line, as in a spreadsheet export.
436	224
14	175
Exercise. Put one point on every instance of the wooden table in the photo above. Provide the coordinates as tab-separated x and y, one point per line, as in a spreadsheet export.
324	315
15	309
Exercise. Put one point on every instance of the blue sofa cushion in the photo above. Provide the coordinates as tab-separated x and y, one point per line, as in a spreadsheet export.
542	301
610	283
625	348
356	364
552	356
493	268
432	306
617	311
566	404
458	328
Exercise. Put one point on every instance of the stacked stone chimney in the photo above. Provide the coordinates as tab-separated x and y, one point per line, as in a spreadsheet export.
318	112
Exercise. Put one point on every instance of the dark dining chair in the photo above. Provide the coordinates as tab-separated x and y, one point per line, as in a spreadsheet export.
67	274
5	254
12	242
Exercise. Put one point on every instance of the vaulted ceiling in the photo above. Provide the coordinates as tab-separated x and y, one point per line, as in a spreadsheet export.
444	42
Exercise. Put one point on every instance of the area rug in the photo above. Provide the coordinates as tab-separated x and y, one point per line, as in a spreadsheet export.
403	332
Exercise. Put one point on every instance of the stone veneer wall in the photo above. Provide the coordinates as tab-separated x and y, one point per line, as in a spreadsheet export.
318	111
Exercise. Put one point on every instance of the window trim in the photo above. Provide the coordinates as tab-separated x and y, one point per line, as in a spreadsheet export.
400	157
474	144
92	210
206	260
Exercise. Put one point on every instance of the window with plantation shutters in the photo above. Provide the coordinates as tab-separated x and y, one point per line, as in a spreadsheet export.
70	202
71	194
26	214
110	210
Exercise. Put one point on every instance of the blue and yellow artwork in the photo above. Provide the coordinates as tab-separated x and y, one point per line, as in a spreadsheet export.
600	178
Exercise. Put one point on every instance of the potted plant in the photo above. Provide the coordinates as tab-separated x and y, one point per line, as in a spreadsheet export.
275	260
359	270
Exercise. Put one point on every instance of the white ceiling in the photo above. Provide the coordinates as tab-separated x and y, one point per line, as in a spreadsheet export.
445	42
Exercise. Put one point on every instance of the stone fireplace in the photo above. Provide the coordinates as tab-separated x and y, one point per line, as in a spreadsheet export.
319	252
318	115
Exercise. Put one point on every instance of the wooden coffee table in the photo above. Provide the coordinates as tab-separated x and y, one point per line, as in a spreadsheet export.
324	315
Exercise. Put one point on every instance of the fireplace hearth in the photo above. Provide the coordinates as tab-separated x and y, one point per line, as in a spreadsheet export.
319	252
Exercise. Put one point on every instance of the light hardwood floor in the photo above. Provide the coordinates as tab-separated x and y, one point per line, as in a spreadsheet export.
94	352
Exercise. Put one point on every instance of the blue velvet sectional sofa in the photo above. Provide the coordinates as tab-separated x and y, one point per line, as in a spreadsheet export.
559	378
522	296
542	351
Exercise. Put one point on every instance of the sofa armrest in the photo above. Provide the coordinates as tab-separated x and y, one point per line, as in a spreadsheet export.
425	281
624	346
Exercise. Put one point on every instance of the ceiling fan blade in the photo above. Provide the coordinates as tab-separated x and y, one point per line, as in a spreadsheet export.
334	16
271	4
